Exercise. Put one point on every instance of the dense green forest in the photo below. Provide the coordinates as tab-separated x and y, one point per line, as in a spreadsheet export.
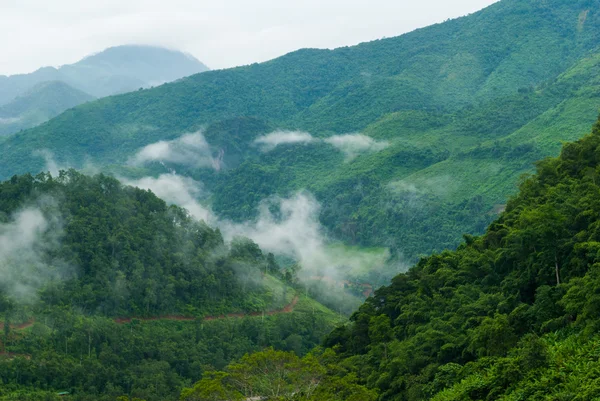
509	315
465	107
411	146
86	261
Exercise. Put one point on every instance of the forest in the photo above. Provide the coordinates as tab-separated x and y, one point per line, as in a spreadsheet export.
509	315
458	158
106	290
483	96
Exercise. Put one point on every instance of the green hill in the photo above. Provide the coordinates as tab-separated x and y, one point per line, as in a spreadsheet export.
115	70
455	112
106	290
39	104
509	315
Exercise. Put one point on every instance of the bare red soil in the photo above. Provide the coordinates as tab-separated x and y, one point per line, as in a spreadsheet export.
12	355
286	309
21	326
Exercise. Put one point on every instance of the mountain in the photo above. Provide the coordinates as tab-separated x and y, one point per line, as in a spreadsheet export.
451	116
39	104
30	99
510	315
115	70
106	290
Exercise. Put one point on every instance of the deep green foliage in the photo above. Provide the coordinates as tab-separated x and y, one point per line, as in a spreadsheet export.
123	253
467	106
134	255
280	376
477	323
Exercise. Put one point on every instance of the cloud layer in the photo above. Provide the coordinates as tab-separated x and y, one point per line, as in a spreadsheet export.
24	245
284	226
271	141
177	190
190	150
352	145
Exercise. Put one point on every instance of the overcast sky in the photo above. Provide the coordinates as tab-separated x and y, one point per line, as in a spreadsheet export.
221	33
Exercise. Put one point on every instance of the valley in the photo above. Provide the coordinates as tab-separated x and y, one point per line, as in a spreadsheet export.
410	218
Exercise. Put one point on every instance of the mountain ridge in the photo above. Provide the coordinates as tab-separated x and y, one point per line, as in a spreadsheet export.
459	80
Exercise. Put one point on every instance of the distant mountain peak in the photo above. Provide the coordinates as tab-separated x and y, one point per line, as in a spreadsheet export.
117	69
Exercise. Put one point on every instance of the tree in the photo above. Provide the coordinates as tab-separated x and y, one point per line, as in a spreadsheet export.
212	387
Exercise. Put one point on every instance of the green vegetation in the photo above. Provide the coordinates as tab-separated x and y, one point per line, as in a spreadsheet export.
27	100
467	106
509	315
121	294
39	104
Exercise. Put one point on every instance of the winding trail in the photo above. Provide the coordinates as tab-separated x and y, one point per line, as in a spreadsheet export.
21	326
122	320
286	309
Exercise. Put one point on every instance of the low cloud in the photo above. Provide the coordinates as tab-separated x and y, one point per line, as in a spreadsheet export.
293	231
10	120
51	165
271	141
26	241
177	190
440	186
352	145
190	150
284	226
291	227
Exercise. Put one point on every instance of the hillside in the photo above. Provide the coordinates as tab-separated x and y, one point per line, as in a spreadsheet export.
453	114
509	315
28	100
115	70
105	289
496	319
39	104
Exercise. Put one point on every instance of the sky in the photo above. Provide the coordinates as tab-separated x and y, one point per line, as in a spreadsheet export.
222	33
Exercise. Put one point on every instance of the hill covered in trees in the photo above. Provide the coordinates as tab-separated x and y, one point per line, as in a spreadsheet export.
106	290
450	116
509	315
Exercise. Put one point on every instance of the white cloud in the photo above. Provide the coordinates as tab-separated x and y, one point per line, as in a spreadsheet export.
353	145
24	244
293	231
177	190
51	165
190	150
222	34
10	120
271	141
